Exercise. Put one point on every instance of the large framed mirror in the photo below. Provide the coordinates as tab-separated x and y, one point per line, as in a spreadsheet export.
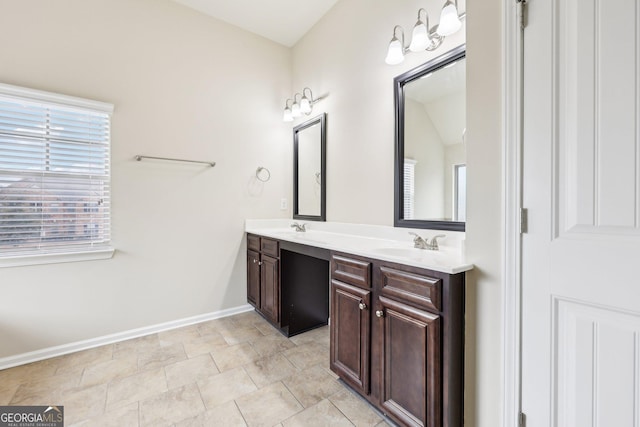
430	148
309	170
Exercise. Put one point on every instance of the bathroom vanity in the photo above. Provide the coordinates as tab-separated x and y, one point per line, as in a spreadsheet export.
397	337
396	313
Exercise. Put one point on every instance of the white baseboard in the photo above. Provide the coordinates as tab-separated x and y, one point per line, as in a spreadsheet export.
47	353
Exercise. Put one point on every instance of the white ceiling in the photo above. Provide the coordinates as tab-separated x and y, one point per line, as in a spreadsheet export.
283	21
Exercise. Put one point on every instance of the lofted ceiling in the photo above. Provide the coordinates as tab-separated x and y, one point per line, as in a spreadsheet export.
442	93
283	21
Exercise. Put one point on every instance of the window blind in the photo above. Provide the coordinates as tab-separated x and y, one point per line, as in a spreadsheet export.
54	173
409	188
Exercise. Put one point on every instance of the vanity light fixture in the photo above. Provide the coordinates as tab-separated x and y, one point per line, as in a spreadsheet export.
288	114
295	108
395	53
299	107
420	39
449	19
305	103
423	37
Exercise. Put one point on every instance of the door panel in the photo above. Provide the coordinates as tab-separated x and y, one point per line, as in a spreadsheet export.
411	364
270	288
598	363
581	185
253	278
597	117
350	333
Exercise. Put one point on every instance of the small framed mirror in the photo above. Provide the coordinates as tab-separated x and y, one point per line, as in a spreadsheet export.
430	147
309	169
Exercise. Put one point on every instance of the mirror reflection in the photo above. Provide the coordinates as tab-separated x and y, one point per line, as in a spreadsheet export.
431	163
434	152
309	170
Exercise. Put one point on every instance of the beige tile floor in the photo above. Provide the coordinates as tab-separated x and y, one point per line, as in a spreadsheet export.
236	371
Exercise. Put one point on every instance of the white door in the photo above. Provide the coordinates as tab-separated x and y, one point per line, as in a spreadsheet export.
581	185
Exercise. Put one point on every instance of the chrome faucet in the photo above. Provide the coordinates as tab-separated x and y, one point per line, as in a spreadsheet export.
420	243
299	227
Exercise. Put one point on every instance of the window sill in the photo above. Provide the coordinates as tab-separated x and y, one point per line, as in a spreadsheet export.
56	258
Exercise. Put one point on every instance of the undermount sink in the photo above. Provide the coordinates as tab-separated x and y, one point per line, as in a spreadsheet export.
405	252
298	235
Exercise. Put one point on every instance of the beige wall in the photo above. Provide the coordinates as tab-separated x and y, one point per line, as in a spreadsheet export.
343	56
484	240
183	85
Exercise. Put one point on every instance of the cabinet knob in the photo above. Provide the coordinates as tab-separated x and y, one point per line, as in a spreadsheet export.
260	263
362	305
255	260
379	313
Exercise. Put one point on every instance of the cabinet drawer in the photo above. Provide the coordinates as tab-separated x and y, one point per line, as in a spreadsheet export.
253	242
352	271
269	247
413	288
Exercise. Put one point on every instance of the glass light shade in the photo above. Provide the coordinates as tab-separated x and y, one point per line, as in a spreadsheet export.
305	105
420	38
287	117
395	54
449	20
295	110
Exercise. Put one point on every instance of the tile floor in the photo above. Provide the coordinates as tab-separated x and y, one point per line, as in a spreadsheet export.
236	371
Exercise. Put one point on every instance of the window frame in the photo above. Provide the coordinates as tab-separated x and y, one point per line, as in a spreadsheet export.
65	253
457	191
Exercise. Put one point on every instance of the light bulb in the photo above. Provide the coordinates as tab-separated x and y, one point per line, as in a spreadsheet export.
420	37
287	117
305	105
295	110
395	54
449	20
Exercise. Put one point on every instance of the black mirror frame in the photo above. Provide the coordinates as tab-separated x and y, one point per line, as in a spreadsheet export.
322	119
398	86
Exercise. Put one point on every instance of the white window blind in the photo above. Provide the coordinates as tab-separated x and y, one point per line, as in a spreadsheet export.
54	173
409	188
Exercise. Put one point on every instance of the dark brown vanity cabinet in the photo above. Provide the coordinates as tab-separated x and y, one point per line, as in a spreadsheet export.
351	320
397	335
253	277
263	276
270	289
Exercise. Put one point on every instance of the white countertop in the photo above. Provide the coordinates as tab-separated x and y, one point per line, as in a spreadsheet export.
377	242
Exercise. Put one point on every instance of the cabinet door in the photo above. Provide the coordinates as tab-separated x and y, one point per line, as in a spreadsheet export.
253	278
350	336
270	288
410	363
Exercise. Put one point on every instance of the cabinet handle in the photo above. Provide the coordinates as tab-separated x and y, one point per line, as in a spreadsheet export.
379	313
362	305
255	260
260	263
